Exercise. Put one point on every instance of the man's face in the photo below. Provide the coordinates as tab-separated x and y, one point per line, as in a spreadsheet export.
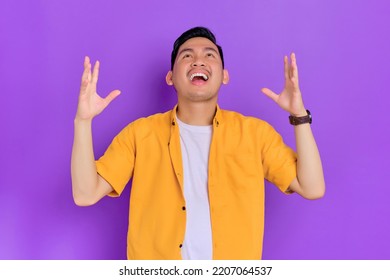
197	72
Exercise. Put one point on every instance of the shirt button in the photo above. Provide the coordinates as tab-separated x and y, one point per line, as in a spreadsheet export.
184	208
181	245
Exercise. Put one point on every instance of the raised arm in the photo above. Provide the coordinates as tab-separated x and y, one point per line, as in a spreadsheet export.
87	186
310	178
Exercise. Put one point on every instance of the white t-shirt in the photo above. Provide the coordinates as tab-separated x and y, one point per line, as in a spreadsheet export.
195	147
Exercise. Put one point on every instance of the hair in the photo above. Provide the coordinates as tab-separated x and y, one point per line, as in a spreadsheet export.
192	33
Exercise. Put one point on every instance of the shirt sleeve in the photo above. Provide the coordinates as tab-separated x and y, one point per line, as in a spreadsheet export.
279	161
117	164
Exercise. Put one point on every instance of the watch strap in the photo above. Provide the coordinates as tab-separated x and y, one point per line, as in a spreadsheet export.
301	120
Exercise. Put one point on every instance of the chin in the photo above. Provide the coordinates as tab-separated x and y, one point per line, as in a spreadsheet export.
201	97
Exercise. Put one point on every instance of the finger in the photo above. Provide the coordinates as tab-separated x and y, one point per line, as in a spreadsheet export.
294	66
270	94
95	74
294	71
85	72
87	68
89	76
84	77
83	87
286	70
87	60
111	96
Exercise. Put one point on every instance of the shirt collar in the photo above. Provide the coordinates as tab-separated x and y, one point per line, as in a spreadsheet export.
216	121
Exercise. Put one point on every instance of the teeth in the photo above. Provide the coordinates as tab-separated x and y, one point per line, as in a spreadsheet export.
204	76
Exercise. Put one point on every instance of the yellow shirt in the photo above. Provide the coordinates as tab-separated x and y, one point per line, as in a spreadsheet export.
244	151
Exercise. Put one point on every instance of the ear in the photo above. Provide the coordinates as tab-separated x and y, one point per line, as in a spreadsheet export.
168	78
225	80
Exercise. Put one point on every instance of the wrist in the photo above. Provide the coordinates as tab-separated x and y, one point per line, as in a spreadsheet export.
301	118
78	120
301	113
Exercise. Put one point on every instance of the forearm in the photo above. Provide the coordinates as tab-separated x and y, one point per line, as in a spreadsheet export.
83	168
309	167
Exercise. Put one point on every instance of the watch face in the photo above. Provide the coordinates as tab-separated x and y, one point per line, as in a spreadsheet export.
309	114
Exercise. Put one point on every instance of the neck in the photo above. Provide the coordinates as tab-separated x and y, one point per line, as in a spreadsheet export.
199	113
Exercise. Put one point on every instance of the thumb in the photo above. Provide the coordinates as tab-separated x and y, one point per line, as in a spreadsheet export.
111	96
270	94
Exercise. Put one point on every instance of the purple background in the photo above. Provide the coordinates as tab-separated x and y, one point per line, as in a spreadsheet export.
343	51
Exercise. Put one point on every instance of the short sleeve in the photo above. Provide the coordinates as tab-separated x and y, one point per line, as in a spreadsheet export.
117	164
279	160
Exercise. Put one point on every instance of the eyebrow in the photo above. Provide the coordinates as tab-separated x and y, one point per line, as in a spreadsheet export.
192	50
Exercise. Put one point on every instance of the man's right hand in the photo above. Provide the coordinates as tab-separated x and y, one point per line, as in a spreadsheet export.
90	103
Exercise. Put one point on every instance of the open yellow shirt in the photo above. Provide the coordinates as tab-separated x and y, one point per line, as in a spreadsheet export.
244	151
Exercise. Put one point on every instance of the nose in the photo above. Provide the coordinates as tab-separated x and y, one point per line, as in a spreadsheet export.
195	64
198	62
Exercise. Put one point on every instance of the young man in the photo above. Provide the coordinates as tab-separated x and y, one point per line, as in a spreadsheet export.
198	171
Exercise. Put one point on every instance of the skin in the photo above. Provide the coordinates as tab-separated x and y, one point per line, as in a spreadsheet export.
310	181
87	186
197	102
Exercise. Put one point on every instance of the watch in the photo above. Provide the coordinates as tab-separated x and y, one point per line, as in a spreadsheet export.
301	120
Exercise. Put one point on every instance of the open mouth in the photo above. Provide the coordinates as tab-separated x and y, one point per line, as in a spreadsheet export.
199	77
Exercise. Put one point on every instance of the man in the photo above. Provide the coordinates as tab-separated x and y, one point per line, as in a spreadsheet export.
198	171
